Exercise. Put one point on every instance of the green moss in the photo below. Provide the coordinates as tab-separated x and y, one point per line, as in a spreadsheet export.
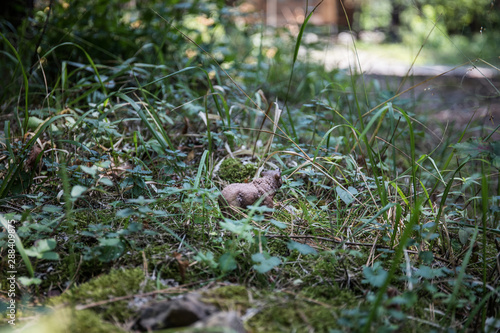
69	320
228	297
332	295
233	171
284	313
115	284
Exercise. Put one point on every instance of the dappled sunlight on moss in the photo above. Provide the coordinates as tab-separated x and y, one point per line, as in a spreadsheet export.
119	282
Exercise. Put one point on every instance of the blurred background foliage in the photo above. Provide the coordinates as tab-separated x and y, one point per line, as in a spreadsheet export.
117	30
464	26
140	32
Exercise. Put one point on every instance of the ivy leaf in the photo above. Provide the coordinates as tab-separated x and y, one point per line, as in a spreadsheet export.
346	196
141	201
44	245
236	227
496	161
475	147
26	281
110	249
77	191
43	249
227	263
91	171
104	164
426	256
265	262
427	272
302	248
50	255
464	234
123	213
207	258
134	226
106	181
375	275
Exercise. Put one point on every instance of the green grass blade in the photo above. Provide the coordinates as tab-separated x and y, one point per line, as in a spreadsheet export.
295	55
452	301
485	212
445	196
325	137
156	129
414	165
89	58
374	218
301	32
394	265
200	169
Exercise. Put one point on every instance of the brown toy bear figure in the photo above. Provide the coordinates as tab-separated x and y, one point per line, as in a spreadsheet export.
243	195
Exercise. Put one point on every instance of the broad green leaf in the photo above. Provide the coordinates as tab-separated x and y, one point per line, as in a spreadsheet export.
104	164
50	256
110	249
106	181
134	227
302	248
227	263
496	161
141	201
34	122
77	191
426	256
44	245
235	227
109	241
346	196
463	235
26	281
123	213
265	263
429	273
375	275
207	258
91	171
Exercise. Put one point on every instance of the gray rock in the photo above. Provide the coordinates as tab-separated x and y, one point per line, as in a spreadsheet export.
221	322
178	312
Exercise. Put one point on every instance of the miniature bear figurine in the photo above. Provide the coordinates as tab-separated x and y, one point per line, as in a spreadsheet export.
243	195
